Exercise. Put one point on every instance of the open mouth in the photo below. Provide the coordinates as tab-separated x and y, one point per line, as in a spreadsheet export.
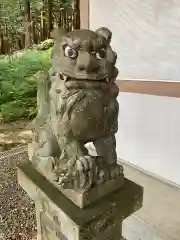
66	78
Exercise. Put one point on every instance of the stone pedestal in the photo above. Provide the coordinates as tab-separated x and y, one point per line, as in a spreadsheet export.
59	218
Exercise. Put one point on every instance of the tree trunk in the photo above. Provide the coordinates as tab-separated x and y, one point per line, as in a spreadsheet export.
22	37
76	14
6	39
50	18
34	35
43	27
1	40
27	16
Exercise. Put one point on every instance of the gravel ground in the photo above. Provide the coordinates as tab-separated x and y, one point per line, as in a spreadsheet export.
17	212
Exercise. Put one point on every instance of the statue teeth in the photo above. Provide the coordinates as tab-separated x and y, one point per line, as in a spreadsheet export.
65	77
107	79
62	76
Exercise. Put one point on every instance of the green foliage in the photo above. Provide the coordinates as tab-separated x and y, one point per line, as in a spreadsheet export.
18	83
13	24
45	45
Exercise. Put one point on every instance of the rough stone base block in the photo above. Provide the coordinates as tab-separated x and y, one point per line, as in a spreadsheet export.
84	198
59	218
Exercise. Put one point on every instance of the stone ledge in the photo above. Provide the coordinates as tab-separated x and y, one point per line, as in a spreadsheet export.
125	201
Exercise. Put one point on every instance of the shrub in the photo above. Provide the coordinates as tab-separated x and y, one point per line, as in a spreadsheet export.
45	45
18	83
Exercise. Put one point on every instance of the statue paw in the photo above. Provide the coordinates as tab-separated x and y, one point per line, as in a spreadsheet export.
65	180
109	173
86	171
78	176
116	171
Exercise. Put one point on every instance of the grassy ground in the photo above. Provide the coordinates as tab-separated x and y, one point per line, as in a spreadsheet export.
18	83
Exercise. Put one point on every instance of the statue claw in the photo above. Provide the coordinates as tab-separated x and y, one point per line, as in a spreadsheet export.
77	176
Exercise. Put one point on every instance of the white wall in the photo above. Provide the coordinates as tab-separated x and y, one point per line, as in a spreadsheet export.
147	40
146	35
149	133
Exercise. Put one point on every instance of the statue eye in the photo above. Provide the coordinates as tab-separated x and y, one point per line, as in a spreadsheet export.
100	54
70	52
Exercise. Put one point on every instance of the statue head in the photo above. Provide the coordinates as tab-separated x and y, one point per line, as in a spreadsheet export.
84	55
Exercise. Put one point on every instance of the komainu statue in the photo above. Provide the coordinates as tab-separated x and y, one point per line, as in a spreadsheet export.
77	105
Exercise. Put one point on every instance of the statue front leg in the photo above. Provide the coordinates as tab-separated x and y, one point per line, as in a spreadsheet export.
106	148
74	167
